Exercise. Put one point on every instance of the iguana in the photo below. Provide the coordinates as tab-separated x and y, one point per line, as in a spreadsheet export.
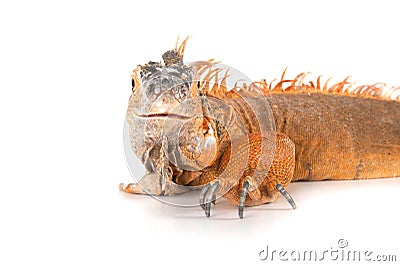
320	132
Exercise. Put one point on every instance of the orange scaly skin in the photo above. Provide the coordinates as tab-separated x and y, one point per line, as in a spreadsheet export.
340	136
335	136
322	132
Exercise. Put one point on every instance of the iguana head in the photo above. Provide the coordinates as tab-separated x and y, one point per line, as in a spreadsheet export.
166	117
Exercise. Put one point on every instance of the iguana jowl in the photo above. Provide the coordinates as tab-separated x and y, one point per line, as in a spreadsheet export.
321	132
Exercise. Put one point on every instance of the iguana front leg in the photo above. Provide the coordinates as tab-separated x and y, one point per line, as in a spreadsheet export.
248	191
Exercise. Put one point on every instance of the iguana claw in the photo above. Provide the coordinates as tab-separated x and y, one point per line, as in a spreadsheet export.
208	196
242	198
203	195
286	195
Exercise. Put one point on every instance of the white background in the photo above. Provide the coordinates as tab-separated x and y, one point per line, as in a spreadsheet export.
64	80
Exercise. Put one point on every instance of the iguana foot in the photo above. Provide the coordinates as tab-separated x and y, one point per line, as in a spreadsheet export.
243	194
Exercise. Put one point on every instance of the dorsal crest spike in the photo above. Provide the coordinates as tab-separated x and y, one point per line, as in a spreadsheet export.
344	87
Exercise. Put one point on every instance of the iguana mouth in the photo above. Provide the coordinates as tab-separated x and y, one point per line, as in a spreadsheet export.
166	115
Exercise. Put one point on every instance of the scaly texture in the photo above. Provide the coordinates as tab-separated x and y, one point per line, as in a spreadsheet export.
338	133
339	136
322	132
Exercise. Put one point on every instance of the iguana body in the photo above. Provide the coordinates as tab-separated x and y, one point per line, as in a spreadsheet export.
339	136
321	133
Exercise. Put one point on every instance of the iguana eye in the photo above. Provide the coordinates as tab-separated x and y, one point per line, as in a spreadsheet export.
133	84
